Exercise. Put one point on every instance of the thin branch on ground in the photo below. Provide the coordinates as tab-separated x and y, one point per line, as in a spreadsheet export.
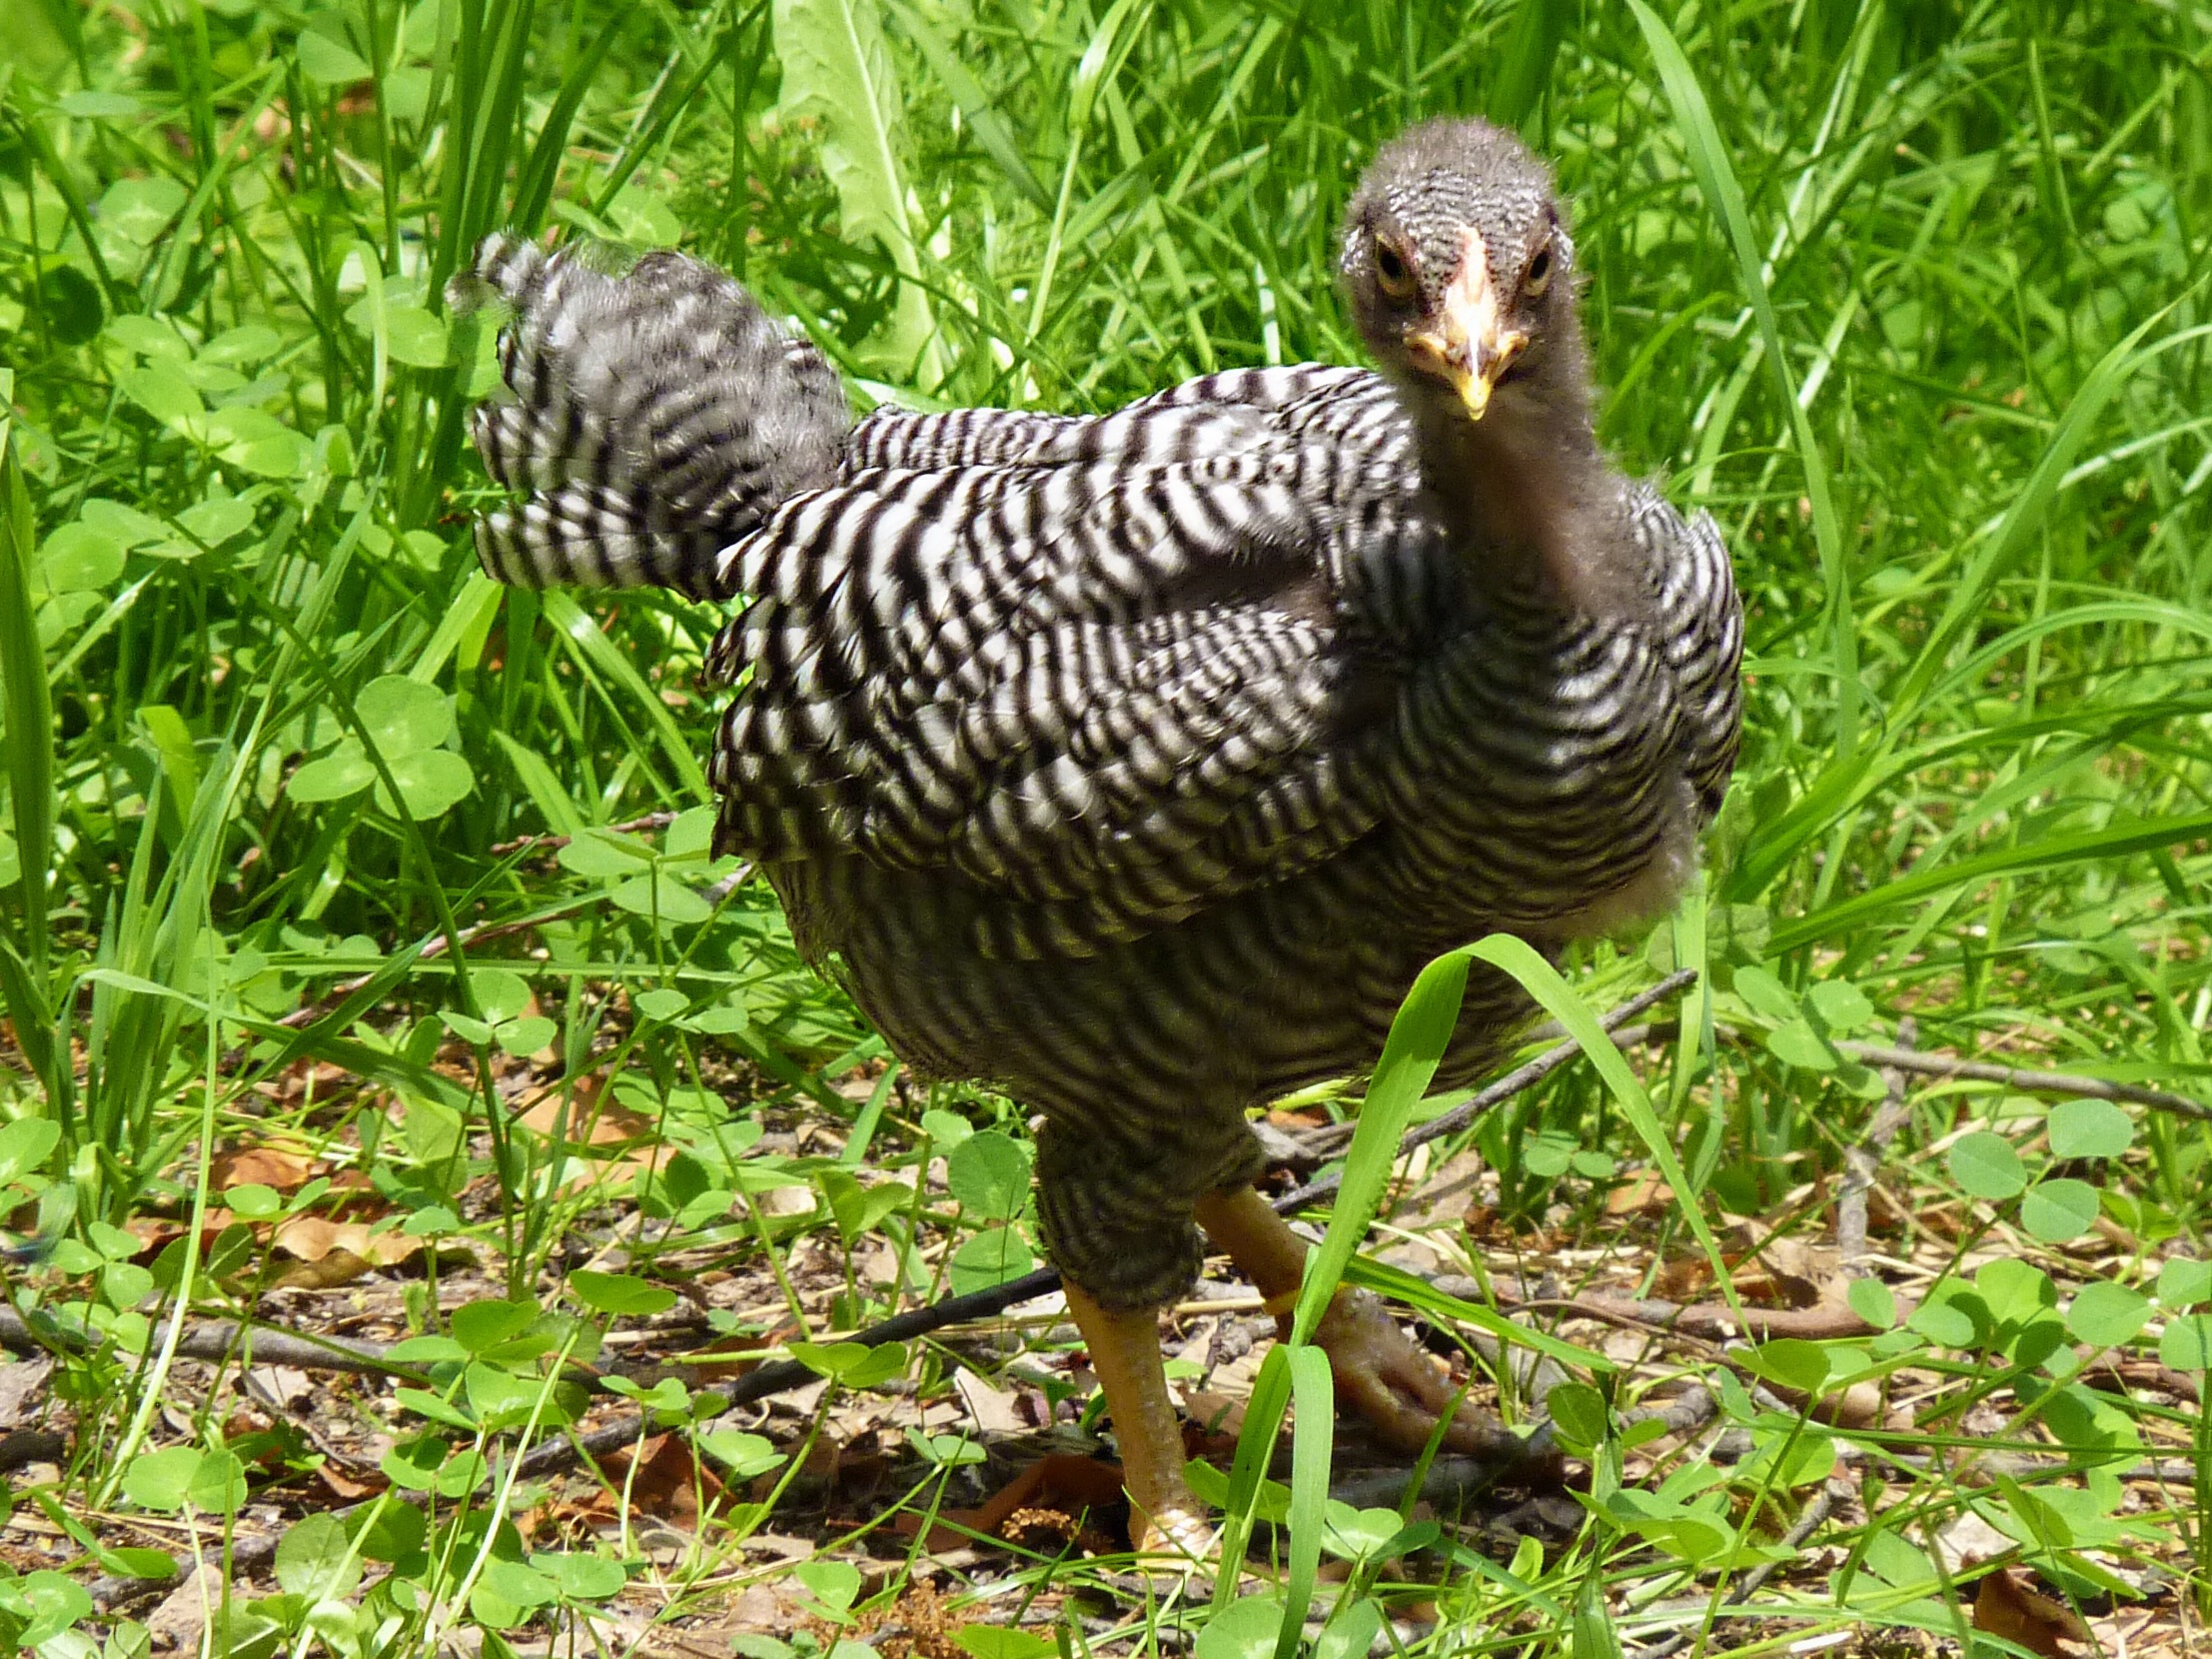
2027	1081
215	1342
308	1013
1862	1163
553	844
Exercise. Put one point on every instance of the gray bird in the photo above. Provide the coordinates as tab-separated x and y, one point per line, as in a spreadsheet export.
1135	765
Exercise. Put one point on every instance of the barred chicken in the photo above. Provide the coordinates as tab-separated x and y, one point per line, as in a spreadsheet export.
1135	765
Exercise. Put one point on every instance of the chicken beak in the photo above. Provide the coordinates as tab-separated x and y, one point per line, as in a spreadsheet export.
1471	349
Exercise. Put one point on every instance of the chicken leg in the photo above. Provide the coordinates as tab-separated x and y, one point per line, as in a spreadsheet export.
1125	1352
1392	1384
1388	1380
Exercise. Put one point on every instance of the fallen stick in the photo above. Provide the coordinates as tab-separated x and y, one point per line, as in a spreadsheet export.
2025	1080
553	844
217	1341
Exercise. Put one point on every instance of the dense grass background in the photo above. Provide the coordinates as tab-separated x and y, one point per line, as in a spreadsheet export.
1909	296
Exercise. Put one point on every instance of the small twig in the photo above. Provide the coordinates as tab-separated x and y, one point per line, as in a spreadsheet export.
1683	1413
791	1374
217	1341
552	844
1905	1058
1700	1321
2027	1081
431	949
1862	1163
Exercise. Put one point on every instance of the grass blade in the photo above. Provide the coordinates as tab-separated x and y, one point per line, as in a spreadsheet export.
533	189
1542	980
1708	161
595	650
2005	543
27	724
991	130
1525	69
837	69
28	701
2051	852
1263	1415
1412	1053
1313	1439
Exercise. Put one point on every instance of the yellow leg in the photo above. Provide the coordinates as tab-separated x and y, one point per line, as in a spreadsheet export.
1394	1385
1125	1352
1261	1242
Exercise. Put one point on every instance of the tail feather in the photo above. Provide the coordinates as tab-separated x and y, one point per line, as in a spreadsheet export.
658	416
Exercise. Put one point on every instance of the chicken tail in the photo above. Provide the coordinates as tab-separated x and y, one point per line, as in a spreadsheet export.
658	416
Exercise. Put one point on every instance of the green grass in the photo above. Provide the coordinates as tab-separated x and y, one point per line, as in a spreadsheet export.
1910	297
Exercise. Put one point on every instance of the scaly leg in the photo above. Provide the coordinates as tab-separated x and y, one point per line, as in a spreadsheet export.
1125	1352
1380	1372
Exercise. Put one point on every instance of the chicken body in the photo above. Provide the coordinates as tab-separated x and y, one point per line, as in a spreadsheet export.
1136	765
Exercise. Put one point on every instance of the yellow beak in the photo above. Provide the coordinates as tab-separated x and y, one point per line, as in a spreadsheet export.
1472	348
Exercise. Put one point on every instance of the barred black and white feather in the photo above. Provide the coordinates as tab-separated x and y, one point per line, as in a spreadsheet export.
657	414
1137	763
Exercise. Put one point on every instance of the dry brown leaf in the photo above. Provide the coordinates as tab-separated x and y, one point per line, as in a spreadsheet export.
354	1197
1680	1280
1790	1272
772	1606
995	1411
156	1234
1059	1482
306	1079
284	1386
284	1168
1299	1117
631	1145
1759	1286
1643	1193
1859	1406
590	1122
1486	1224
312	1237
342	1485
1968	1541
332	1253
326	1272
669	1483
2009	1606
1214	1414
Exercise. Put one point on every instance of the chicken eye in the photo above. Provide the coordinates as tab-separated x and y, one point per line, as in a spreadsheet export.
1392	274
1539	274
